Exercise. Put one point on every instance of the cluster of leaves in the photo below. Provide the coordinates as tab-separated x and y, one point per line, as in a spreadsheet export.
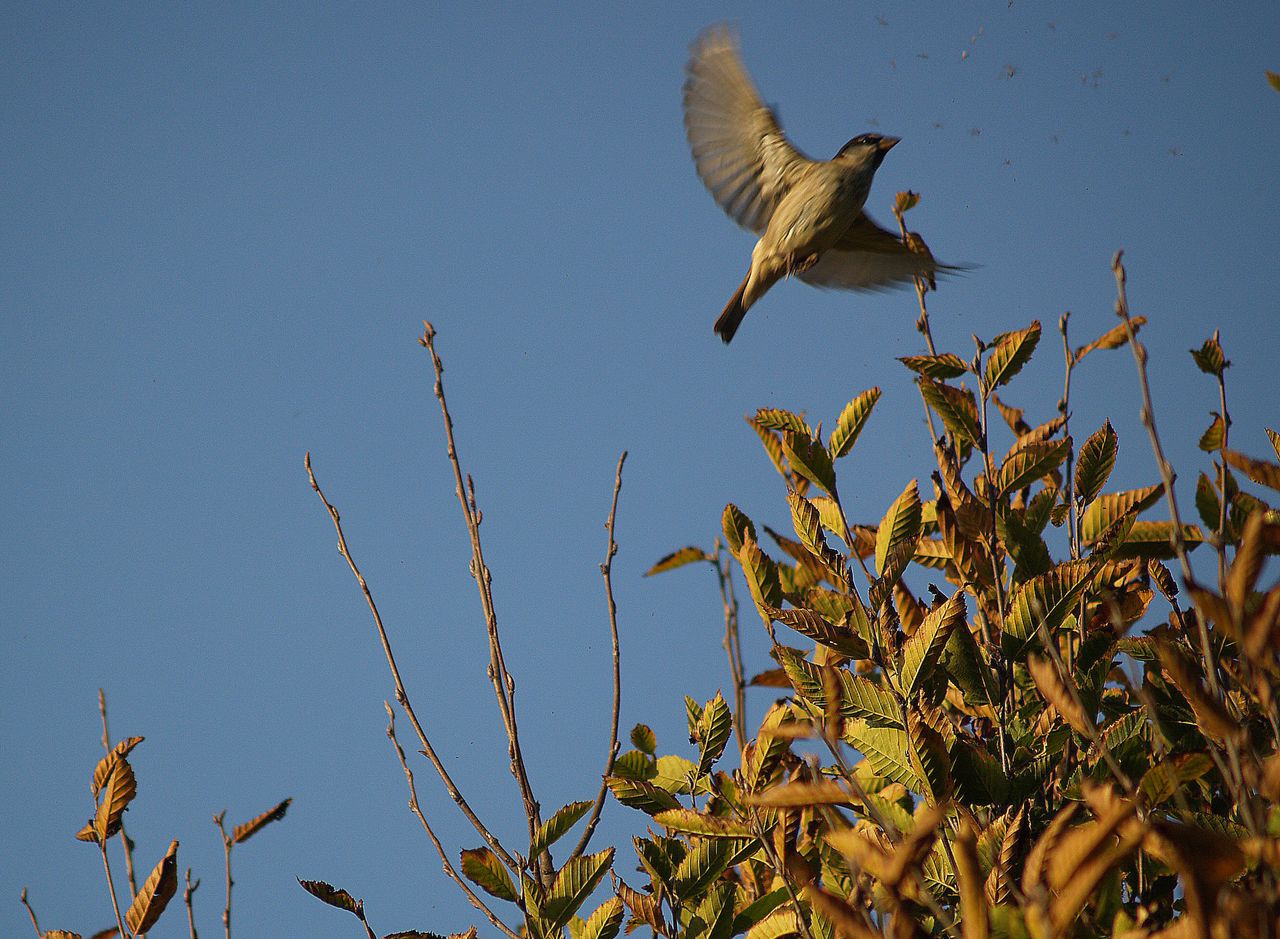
114	788
1037	746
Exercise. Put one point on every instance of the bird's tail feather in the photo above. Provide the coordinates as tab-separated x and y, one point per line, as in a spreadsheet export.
734	311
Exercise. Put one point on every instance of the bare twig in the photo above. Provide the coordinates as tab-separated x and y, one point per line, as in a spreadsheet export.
444	857
219	820
402	696
1222	476
606	571
111	887
32	913
732	643
124	837
503	684
922	324
187	893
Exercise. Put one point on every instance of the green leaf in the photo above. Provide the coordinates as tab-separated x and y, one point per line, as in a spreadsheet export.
573	884
1011	353
1164	779
778	419
554	828
689	555
862	699
1210	358
482	867
715	727
761	574
1049	597
1030	463
810	459
706	860
899	525
690	822
829	515
759	909
642	795
1208	506
715	912
922	651
1211	439
605	922
1097	459
956	407
850	423
777	925
1108	509
1152	540
737	527
644	739
675	773
978	778
946	365
634	764
968	670
886	749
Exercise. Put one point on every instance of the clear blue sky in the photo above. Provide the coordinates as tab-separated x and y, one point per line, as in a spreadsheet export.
223	225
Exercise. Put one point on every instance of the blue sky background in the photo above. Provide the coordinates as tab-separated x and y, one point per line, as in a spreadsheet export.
223	225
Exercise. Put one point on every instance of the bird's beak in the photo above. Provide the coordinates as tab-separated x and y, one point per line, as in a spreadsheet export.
888	143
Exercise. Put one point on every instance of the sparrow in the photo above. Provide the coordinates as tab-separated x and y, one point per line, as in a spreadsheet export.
807	213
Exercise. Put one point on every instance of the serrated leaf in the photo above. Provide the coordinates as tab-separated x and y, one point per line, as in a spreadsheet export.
154	895
675	773
1049	597
118	790
850	423
780	420
669	562
978	778
956	407
1113	338
801	793
810	460
1031	463
1164	779
1262	472
922	651
253	826
482	867
1210	358
690	822
1106	510
573	885
644	739
1096	460
886	749
946	365
605	922
1011	353
761	574
901	524
715	727
820	630
706	860
635	764
334	896
554	828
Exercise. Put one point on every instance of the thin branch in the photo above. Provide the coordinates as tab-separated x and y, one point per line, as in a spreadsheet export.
111	887
1222	476
32	913
187	893
124	837
732	644
606	571
444	857
402	696
218	820
922	324
503	684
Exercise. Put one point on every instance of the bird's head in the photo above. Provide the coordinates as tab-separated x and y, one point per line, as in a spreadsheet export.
867	148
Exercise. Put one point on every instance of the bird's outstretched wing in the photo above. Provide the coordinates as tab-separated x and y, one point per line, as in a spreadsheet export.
867	257
741	153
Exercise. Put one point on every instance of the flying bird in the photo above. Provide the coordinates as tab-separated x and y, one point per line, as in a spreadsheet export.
807	213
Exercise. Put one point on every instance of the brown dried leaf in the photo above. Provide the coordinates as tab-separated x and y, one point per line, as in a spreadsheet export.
1033	871
973	902
253	826
1113	338
801	794
334	896
155	894
1212	717
101	771
679	558
118	790
1247	565
1054	690
848	924
1262	472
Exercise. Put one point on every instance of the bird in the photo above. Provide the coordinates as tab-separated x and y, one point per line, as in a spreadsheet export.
807	213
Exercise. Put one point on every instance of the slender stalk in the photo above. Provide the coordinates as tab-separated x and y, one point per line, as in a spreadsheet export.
32	913
606	571
922	323
732	644
187	894
111	888
218	820
444	857
1222	477
402	696
503	684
